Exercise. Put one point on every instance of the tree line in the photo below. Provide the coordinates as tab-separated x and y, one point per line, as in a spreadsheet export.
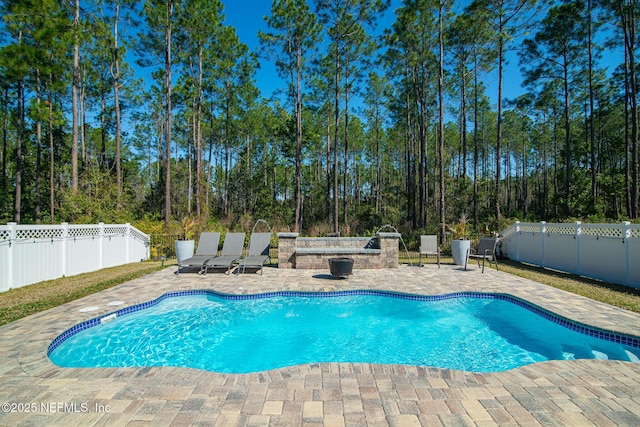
373	125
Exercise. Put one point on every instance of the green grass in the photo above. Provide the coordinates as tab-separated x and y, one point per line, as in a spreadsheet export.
616	295
22	302
18	303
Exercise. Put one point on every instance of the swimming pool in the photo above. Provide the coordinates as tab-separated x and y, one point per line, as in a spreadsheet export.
475	332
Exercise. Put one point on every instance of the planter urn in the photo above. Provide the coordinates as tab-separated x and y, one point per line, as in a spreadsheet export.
184	249
460	251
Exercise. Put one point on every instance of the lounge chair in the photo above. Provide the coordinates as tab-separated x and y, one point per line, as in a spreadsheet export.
429	246
207	249
259	246
231	252
486	250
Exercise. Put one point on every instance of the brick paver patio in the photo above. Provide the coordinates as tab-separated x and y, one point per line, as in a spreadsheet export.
556	393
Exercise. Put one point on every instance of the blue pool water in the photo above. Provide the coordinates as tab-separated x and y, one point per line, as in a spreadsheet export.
211	332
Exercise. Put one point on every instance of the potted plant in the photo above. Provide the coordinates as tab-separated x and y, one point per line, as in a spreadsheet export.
185	245
460	243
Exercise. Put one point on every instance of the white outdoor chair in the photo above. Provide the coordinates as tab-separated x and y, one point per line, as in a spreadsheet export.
429	246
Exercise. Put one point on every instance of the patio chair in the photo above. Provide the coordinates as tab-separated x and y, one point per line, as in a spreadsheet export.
207	249
486	250
429	246
259	245
231	252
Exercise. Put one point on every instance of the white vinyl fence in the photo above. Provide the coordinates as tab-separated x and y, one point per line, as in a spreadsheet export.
609	252
33	253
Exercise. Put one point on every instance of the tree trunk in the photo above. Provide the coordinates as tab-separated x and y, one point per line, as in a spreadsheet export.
336	207
594	172
631	41
167	64
298	103
74	99
567	140
115	73
36	210
198	133
17	201
499	123
441	121
345	220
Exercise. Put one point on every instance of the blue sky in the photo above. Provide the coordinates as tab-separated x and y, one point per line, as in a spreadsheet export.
247	17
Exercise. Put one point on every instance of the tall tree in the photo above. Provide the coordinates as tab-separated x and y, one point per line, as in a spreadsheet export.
376	98
296	33
627	14
509	18
413	60
441	12
470	36
75	87
199	31
553	54
344	21
159	15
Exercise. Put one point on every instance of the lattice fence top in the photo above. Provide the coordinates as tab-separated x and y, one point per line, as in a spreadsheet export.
136	234
564	229
510	231
47	232
114	229
39	233
83	231
530	227
616	231
601	231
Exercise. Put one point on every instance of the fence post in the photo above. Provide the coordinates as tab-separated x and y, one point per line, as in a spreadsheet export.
517	241
65	237
127	242
578	233
101	245
626	235
12	241
543	236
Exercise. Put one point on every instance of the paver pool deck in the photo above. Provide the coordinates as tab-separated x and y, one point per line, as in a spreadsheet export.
555	393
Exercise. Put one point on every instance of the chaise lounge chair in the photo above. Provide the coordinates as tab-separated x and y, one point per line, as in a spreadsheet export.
486	250
259	246
429	246
231	252
207	249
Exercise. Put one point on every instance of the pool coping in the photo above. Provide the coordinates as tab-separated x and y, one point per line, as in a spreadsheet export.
537	394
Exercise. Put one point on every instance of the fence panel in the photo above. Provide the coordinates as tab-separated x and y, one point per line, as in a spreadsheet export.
82	254
608	252
34	253
633	257
530	244
560	247
603	258
115	245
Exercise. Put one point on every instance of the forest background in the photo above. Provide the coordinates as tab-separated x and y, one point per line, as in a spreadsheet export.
150	113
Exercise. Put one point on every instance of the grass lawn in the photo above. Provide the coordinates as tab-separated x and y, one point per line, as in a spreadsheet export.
22	302
616	295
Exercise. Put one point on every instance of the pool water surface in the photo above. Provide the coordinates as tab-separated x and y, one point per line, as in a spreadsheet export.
471	332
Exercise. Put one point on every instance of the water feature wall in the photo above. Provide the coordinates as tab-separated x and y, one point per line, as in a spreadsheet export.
380	251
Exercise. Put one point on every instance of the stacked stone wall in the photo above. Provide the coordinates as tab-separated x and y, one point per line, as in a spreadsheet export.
314	252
